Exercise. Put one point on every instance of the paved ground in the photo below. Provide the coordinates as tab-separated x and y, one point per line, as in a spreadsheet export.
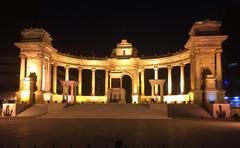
192	133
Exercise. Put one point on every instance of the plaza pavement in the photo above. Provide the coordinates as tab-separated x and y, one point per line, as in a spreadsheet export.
98	133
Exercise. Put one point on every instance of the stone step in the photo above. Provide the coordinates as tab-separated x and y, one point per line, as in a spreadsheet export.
79	114
187	110
110	116
107	111
34	111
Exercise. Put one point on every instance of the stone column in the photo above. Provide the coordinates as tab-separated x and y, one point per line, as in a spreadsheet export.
142	83
40	71
44	75
67	73
161	83
182	78
106	81
79	81
93	82
49	75
192	74
38	93
156	77
197	73
219	70
22	71
54	79
169	80
135	84
110	82
161	93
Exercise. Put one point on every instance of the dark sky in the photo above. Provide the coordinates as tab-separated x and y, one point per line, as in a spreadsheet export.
94	28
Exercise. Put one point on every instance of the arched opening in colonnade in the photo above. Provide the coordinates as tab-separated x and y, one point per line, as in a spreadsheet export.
127	85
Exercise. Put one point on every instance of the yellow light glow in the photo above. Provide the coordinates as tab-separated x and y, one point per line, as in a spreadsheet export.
57	98
26	84
178	98
135	90
96	99
191	96
47	96
32	66
135	99
25	95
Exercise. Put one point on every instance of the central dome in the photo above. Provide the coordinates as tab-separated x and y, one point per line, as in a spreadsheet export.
124	49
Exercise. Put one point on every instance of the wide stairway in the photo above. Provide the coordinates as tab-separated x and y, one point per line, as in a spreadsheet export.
187	110
107	111
34	111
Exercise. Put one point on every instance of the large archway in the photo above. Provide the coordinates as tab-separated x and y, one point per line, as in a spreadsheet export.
127	85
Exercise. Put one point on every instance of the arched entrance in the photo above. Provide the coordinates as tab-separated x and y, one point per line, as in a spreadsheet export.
127	85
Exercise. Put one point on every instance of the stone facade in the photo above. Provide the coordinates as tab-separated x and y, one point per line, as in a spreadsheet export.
202	51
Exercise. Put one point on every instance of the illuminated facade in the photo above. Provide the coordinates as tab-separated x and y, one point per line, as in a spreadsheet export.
202	51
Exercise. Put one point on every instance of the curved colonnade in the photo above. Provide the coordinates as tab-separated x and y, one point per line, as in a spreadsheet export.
202	52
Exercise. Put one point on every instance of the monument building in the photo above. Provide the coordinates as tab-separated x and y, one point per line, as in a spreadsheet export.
202	52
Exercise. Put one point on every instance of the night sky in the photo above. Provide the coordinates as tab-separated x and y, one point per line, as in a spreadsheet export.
93	28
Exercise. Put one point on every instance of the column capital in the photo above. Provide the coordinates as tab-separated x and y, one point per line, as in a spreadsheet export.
22	56
107	69
40	56
219	50
80	68
93	69
67	67
155	67
169	66
181	64
54	64
140	69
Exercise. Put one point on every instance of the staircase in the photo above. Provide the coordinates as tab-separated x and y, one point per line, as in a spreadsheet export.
187	110
34	111
107	111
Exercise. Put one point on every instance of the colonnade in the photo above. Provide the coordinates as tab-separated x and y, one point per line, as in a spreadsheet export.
80	69
155	88
203	52
193	75
142	78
